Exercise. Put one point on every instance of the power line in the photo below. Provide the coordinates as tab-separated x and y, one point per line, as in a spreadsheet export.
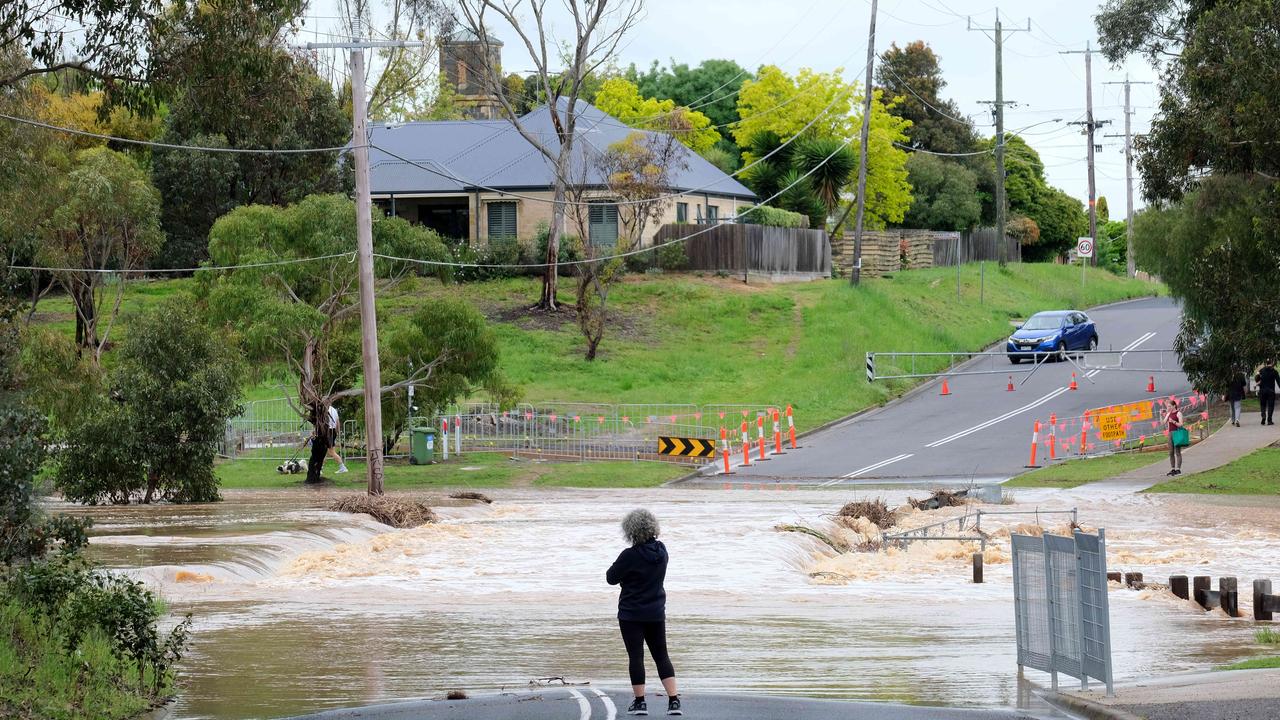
172	146
931	106
150	271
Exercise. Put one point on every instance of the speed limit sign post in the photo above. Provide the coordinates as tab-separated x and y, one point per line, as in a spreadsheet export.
1084	251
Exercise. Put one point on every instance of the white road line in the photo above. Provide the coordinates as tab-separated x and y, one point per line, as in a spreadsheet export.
611	710
867	469
982	426
1124	350
584	707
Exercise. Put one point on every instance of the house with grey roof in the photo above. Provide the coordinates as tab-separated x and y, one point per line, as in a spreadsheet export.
481	179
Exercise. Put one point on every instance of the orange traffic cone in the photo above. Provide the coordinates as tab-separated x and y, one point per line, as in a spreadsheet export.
1073	385
945	390
1010	388
1151	383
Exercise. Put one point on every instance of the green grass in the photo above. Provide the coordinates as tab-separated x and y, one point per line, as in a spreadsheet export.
685	339
474	470
1071	473
1265	636
1257	473
40	679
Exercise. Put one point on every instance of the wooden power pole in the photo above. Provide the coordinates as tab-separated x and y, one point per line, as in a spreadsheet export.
998	105
855	273
364	256
1131	267
1090	125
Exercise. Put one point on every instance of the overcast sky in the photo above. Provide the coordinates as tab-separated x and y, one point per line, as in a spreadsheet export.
829	34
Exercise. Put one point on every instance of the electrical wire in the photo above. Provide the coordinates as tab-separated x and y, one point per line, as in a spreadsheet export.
148	271
943	154
172	146
446	263
888	67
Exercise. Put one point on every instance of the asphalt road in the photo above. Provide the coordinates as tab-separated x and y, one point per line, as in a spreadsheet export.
587	703
979	432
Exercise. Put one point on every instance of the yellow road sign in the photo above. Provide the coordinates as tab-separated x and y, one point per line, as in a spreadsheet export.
686	447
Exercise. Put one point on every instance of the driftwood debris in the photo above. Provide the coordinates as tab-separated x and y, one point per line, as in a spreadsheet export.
875	511
396	512
470	495
940	499
834	543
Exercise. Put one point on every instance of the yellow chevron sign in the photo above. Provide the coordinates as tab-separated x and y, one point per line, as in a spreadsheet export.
686	447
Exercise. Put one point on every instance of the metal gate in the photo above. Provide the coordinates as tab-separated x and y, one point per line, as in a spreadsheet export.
1060	606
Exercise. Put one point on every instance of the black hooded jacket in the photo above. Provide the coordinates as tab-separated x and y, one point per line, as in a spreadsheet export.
641	569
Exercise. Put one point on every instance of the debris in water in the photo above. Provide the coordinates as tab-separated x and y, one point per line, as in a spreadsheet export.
469	495
186	576
456	695
876	511
395	512
835	543
939	499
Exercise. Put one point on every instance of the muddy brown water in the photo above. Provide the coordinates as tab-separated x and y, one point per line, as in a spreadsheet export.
298	609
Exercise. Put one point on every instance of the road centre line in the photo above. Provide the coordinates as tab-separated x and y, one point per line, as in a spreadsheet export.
1034	404
982	426
584	707
869	468
611	710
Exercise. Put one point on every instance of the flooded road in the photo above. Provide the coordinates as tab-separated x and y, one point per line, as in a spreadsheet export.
297	609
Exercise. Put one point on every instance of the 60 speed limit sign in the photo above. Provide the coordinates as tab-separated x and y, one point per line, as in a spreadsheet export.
1084	247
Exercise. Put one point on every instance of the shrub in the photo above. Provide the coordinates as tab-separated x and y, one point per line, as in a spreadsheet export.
776	217
641	262
570	247
498	251
673	257
81	604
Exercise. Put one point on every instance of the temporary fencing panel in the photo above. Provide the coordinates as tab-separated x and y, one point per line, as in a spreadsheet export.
1061	614
1124	426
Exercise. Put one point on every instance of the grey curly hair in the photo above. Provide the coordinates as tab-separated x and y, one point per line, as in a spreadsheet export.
640	526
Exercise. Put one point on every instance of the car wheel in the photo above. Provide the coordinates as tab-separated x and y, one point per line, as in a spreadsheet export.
1015	359
1093	343
1061	354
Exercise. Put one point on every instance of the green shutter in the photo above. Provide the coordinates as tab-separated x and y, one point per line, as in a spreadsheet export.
502	220
682	212
603	224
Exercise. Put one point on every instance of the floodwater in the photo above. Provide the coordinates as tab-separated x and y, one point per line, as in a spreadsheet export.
298	609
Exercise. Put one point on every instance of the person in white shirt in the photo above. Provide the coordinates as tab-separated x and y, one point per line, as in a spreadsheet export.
332	439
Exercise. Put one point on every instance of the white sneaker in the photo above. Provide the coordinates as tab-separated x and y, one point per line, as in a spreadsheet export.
341	469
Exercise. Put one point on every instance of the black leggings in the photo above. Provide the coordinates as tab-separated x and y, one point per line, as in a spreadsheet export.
635	634
1267	401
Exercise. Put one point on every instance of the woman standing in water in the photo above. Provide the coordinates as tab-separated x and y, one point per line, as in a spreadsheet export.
642	607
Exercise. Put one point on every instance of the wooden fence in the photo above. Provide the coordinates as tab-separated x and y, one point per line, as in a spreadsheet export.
752	248
975	245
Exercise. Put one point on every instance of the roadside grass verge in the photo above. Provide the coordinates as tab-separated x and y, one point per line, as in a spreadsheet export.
1257	473
39	678
473	470
1265	636
689	338
1072	473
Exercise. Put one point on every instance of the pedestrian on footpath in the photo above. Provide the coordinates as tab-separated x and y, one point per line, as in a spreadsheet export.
1267	379
1178	436
642	607
332	440
1236	389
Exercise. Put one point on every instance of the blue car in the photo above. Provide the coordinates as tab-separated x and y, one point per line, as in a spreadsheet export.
1052	334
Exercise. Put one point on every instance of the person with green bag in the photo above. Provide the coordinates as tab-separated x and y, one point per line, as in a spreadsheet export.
1179	437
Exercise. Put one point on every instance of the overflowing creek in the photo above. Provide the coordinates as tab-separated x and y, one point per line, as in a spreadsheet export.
297	609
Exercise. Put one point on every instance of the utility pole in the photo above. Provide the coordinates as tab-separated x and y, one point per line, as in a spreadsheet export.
855	273
998	107
364	256
1091	126
1130	263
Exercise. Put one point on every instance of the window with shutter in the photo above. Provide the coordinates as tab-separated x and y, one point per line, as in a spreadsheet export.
502	221
682	212
603	223
713	213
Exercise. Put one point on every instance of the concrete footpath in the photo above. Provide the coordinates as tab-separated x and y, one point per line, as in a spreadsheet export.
1228	695
587	703
1229	443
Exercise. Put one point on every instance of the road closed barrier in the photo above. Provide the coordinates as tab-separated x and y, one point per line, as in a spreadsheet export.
1122	427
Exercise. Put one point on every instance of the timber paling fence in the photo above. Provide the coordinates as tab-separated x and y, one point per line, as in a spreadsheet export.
980	244
273	430
761	249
